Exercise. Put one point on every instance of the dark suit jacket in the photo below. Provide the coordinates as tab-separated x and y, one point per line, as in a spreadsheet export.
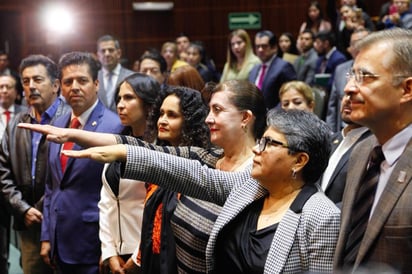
71	215
388	235
278	73
333	116
334	60
337	181
102	91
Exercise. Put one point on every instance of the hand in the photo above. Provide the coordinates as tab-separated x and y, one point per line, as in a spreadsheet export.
116	264
104	154
54	134
32	216
131	268
45	253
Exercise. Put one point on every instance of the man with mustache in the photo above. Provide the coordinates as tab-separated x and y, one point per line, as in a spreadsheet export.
333	179
23	157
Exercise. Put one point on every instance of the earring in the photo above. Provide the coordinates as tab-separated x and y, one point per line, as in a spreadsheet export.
293	174
244	127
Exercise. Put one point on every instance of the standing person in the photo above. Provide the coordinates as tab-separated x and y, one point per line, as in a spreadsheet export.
329	57
169	52
296	95
154	65
70	228
182	42
333	114
8	110
112	72
380	93
8	96
287	47
6	70
274	218
305	64
23	157
273	71
315	20
333	180
121	200
178	118
240	58
237	115
195	54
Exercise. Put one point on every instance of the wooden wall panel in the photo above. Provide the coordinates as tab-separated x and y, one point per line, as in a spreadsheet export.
205	20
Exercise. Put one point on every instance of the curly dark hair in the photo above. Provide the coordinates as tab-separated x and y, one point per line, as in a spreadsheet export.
195	132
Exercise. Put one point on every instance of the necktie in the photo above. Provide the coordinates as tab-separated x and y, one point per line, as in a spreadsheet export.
262	76
363	204
323	64
8	116
75	123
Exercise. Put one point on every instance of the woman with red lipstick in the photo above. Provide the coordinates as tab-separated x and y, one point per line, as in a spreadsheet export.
236	120
240	57
178	120
122	201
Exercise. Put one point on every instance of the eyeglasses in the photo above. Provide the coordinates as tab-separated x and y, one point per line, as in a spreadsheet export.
263	46
360	76
262	142
7	87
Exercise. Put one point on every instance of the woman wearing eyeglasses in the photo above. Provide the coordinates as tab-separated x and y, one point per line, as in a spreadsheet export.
274	219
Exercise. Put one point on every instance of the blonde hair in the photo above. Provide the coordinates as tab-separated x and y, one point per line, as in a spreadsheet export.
242	34
304	89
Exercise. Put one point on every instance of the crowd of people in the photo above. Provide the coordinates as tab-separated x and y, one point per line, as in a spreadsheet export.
294	158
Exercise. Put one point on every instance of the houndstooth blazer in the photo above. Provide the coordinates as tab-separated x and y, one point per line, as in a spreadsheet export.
305	239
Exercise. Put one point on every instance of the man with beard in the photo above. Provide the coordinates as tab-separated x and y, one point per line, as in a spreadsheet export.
23	157
112	72
333	179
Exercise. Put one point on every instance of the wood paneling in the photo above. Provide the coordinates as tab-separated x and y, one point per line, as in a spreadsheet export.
205	20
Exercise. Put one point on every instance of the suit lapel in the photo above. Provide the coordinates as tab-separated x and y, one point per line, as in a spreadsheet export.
283	240
355	171
398	181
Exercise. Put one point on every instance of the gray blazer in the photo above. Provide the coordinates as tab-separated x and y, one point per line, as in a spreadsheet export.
304	241
388	235
102	91
305	67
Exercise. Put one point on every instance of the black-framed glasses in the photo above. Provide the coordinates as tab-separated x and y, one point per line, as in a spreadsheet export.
262	142
359	76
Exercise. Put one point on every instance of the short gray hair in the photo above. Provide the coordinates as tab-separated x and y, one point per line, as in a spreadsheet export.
401	42
304	132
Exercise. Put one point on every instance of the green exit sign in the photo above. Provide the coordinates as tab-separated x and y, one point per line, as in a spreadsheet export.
245	20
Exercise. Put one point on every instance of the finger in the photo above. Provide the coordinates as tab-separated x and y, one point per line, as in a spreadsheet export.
76	153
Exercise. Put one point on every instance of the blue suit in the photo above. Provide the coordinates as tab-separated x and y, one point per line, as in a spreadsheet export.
71	215
278	73
335	59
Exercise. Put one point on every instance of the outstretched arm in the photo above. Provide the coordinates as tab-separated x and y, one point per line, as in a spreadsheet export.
82	137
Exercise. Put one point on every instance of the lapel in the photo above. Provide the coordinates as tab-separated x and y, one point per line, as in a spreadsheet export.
398	181
284	238
271	71
101	93
91	125
356	166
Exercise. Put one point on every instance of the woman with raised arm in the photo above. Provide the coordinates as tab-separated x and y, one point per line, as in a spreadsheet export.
274	219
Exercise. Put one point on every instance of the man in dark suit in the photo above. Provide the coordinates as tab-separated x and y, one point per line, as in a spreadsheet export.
273	72
6	70
23	157
333	115
380	93
329	57
70	228
333	179
112	72
8	109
